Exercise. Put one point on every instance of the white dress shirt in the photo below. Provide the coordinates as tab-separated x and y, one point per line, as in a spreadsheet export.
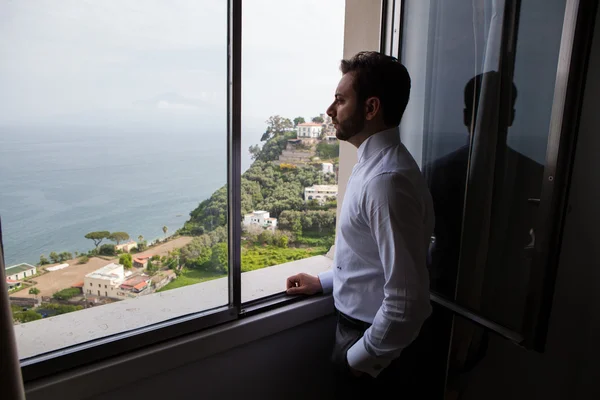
379	273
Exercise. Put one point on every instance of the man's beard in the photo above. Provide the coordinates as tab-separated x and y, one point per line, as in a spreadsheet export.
347	129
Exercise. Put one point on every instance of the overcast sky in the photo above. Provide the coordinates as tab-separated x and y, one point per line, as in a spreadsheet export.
62	57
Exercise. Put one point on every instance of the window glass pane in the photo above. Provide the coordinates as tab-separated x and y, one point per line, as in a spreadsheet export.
520	163
465	145
289	75
444	46
112	131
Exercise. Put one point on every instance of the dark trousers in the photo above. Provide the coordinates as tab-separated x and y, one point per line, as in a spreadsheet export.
405	378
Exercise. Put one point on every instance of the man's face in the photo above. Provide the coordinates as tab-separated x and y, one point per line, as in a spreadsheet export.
346	114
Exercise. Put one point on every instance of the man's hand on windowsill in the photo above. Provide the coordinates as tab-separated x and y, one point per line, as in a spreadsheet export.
303	284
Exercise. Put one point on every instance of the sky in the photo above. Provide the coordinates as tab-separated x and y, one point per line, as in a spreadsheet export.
98	59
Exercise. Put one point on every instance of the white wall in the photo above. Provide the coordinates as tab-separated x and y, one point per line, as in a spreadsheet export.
362	31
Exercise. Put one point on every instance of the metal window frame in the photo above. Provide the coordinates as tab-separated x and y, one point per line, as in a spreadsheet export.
86	353
391	27
575	46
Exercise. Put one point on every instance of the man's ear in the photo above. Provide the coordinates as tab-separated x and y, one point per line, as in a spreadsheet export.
372	108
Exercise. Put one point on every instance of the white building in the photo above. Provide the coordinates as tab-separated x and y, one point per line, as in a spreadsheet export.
310	130
260	218
104	281
20	271
327	168
328	123
12	284
320	193
126	247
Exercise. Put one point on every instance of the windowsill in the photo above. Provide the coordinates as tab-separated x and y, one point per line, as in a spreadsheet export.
78	327
113	373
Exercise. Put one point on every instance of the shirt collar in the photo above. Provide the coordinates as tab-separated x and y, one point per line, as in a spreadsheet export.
378	142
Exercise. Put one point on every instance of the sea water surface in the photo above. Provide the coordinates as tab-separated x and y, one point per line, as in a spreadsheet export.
59	183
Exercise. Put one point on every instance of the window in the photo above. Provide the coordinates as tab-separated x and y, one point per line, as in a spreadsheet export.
485	89
115	141
274	102
129	123
115	162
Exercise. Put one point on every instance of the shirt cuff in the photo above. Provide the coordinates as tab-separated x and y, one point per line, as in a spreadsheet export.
360	360
326	279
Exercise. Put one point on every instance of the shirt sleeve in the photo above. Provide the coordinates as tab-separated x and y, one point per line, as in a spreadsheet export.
395	215
326	279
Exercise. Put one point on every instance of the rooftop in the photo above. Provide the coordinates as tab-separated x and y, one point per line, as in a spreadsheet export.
257	212
106	272
310	124
136	280
15	269
140	285
324	188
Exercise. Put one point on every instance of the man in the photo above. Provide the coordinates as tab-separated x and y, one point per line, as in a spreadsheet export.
379	277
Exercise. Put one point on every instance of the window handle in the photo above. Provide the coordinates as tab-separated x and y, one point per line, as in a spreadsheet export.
531	245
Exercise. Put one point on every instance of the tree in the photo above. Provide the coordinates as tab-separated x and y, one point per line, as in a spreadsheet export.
219	258
65	255
276	125
97	237
266	136
54	257
254	151
298	120
126	260
151	268
34	291
143	245
325	150
66	294
107	249
165	230
26	316
118	237
283	241
44	260
140	238
318	120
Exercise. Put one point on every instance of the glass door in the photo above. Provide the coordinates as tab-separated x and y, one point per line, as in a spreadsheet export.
492	117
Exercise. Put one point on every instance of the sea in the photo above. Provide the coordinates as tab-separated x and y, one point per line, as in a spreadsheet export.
57	183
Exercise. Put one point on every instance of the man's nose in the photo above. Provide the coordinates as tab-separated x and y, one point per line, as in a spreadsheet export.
330	111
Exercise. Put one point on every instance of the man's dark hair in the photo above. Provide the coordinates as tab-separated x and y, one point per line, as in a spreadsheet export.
381	76
473	89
